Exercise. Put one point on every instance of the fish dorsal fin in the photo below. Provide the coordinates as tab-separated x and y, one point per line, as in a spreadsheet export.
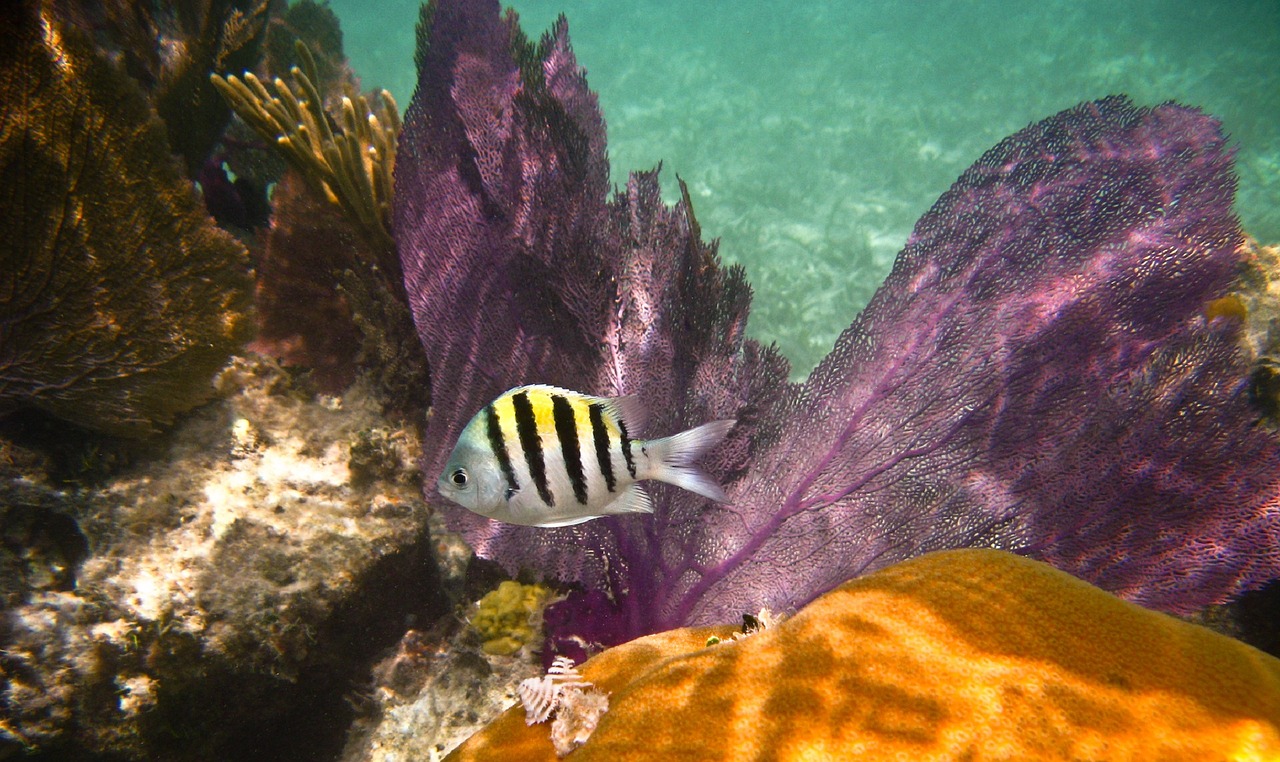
548	388
630	410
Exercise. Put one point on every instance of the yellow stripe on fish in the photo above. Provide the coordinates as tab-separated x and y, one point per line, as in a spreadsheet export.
545	456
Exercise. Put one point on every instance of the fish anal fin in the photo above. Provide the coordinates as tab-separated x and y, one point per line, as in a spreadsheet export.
633	499
566	522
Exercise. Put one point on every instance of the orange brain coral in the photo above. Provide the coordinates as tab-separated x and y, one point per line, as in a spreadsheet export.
966	654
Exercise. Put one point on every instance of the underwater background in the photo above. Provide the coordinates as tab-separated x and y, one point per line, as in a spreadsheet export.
244	319
813	135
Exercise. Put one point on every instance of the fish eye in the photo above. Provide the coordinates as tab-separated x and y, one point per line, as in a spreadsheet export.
458	478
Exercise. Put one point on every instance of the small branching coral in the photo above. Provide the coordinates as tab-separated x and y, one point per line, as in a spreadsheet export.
574	701
350	161
329	278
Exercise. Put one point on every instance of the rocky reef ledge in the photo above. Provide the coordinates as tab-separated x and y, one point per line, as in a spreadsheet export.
238	586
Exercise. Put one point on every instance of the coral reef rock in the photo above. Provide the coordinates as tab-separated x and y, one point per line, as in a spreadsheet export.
956	655
433	693
444	683
225	599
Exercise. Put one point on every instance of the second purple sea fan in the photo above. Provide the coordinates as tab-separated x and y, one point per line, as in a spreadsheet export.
1035	374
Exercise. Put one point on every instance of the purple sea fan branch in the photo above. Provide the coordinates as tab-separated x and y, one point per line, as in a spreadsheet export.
520	269
501	176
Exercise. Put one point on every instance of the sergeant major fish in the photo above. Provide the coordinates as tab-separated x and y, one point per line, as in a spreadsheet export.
548	457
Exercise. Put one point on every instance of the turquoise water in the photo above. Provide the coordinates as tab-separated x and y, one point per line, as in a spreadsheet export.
813	134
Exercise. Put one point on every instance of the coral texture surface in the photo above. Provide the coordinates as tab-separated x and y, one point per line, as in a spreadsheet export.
956	655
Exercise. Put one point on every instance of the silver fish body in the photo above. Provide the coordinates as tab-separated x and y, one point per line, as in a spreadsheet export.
548	457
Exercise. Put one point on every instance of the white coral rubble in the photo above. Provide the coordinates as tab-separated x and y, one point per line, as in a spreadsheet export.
577	705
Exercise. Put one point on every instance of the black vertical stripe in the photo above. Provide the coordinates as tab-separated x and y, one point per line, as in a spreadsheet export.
567	433
601	436
499	447
626	449
527	428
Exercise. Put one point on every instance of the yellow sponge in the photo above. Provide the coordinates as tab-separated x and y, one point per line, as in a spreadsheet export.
505	619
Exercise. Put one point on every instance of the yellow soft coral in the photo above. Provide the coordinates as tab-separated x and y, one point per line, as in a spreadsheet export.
351	161
506	617
958	655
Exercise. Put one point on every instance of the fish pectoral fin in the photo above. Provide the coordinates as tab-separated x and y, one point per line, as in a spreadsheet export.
633	499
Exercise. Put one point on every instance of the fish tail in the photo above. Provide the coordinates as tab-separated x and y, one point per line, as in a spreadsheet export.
671	459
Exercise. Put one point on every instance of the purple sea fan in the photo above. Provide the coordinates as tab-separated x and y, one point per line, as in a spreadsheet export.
1035	374
498	181
521	269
